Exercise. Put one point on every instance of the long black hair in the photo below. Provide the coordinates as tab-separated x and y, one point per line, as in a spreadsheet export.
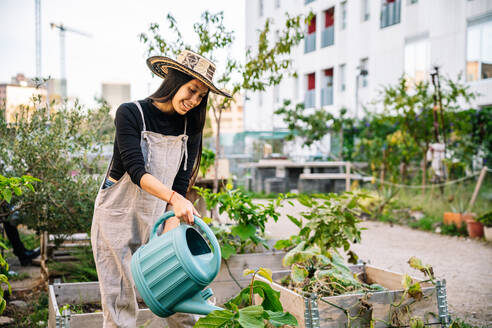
196	117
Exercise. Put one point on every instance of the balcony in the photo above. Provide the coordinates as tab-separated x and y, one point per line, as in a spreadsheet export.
390	13
310	98
328	37
327	96
309	43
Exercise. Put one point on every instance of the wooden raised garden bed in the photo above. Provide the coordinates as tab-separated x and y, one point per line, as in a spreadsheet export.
80	293
328	312
76	294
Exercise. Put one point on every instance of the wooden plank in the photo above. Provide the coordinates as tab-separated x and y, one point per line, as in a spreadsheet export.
238	263
95	320
386	278
477	188
331	316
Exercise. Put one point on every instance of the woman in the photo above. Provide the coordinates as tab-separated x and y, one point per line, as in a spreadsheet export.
156	153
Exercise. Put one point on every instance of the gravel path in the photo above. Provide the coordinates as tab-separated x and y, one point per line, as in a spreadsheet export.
465	264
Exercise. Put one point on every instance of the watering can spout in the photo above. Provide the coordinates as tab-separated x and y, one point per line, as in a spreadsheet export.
197	304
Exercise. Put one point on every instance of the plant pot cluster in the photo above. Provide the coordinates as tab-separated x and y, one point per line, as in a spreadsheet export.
474	228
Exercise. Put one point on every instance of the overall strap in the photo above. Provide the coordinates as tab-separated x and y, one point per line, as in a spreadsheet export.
141	113
185	146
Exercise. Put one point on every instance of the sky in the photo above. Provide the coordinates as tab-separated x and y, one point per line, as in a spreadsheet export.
113	53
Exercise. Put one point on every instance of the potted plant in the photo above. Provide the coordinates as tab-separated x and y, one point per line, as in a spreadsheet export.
458	215
486	220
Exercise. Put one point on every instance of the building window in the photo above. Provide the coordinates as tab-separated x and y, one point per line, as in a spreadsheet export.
411	2
365	10
276	94
327	87
260	8
479	50
307	1
341	73
417	60
390	12
310	39
343	7
364	72
277	4
310	96
328	34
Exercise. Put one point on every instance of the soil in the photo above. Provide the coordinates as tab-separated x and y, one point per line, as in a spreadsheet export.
466	264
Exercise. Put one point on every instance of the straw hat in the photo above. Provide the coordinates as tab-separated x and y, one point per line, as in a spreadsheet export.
190	63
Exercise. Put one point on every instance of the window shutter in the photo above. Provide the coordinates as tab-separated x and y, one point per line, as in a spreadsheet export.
311	81
329	17
312	25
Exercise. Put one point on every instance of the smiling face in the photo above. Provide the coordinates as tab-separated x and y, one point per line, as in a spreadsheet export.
188	96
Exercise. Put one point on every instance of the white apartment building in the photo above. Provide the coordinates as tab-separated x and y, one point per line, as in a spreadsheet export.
354	47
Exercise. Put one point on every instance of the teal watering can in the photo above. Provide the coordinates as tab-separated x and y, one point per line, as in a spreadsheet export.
172	270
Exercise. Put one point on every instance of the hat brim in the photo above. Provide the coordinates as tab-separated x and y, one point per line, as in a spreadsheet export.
159	66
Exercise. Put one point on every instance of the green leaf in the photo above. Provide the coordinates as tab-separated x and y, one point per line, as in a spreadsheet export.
298	274
227	250
17	190
218	318
295	221
265	273
416	322
282	244
7	195
207	220
248	272
244	232
279	319
251	316
270	296
415	291
406	281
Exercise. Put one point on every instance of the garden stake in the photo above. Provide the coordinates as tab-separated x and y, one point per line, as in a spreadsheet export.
442	303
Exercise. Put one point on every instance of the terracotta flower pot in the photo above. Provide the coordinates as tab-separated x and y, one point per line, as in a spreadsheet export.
487	232
457	218
474	228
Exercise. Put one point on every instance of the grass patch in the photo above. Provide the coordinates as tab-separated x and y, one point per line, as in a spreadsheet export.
427	223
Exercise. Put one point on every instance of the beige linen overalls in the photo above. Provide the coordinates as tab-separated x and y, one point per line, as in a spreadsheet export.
124	214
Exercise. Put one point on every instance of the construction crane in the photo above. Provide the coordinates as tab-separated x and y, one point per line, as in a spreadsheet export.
38	38
63	73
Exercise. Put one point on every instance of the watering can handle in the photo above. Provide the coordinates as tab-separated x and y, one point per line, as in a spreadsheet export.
199	222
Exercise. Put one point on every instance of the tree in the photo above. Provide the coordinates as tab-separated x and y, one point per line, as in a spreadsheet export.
265	66
55	147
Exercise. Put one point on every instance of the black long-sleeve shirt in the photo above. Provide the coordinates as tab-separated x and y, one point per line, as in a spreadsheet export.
127	154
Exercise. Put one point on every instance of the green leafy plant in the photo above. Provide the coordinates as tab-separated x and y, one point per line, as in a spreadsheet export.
313	272
241	312
331	222
208	159
250	217
10	186
486	219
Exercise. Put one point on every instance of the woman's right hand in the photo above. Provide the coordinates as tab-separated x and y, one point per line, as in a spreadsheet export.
184	209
